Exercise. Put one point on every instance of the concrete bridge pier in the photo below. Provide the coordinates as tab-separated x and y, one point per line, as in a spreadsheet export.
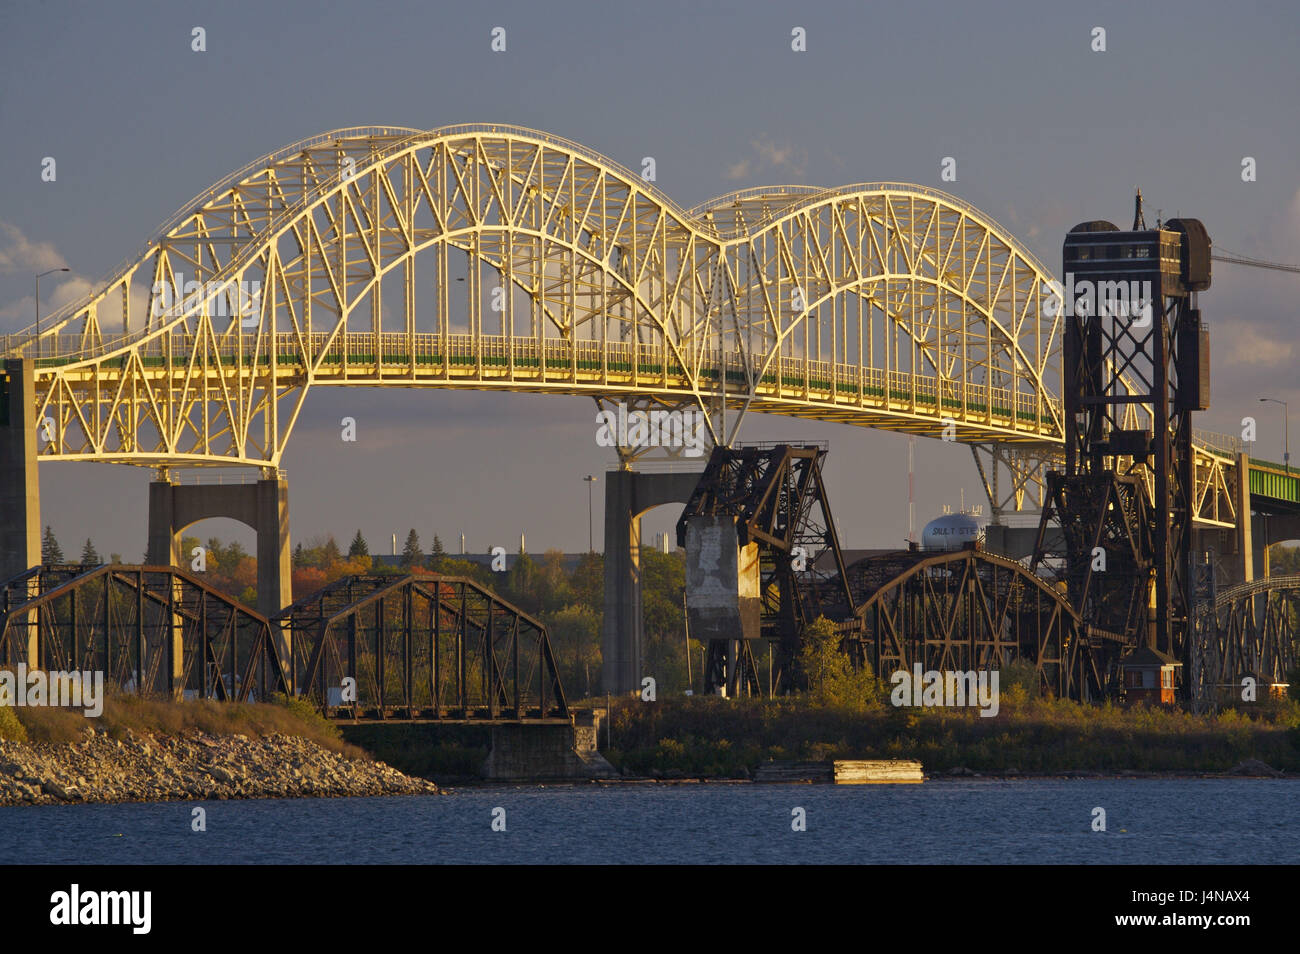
551	750
263	505
1018	542
628	495
1268	529
20	490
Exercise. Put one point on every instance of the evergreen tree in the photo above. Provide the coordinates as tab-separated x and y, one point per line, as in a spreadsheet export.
51	552
298	556
412	555
358	547
330	553
521	583
89	555
436	554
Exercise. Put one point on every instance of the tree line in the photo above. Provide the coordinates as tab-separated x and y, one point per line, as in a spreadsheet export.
569	599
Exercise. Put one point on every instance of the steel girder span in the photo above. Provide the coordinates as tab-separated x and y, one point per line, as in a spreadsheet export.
432	647
1252	629
970	610
152	630
495	257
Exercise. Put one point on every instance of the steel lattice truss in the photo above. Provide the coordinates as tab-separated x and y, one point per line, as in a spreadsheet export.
1015	476
503	258
1249	630
421	647
968	610
777	496
130	622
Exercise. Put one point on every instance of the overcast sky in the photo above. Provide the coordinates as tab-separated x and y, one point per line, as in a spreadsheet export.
1046	133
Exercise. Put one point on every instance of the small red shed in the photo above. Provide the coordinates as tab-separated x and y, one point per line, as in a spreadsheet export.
1149	677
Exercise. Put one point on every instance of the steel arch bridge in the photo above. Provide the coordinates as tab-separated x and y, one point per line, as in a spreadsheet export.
496	257
1249	630
972	610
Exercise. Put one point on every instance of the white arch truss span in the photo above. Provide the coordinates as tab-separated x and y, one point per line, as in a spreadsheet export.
495	257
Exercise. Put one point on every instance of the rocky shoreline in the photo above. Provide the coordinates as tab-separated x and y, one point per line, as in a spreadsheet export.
193	766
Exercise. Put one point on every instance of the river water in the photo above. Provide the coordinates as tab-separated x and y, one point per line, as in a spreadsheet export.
1148	821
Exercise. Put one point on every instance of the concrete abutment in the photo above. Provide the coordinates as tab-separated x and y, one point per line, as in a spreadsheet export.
629	494
263	505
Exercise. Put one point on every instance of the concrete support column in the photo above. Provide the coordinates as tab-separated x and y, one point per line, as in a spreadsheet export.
264	506
628	495
164	547
20	490
622	635
1245	562
274	560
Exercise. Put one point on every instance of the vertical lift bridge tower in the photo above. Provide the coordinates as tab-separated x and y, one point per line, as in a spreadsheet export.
1119	362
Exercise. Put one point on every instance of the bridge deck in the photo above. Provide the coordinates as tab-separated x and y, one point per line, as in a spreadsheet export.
1274	483
788	384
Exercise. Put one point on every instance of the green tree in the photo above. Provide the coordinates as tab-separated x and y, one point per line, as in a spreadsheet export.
227	557
437	554
521	583
89	555
358	546
470	570
588	582
1284	560
551	583
575	638
51	552
412	555
827	672
663	581
330	553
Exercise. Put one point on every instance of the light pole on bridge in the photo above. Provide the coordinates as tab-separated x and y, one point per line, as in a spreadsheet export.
1286	431
589	479
38	304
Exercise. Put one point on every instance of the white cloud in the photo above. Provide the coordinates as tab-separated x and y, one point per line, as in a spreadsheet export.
1250	346
769	155
19	253
738	170
22	312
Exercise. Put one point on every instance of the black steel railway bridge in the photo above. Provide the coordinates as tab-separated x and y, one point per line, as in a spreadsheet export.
427	648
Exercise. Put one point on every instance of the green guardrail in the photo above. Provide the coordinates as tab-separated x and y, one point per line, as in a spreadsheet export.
1289	491
1279	486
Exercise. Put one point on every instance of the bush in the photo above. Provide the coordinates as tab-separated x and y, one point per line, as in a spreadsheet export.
828	674
308	715
126	711
11	730
1047	736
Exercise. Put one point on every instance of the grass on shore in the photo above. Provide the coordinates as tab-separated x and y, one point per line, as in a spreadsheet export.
123	711
704	736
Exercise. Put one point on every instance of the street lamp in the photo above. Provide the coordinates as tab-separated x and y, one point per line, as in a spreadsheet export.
1286	432
38	304
590	480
